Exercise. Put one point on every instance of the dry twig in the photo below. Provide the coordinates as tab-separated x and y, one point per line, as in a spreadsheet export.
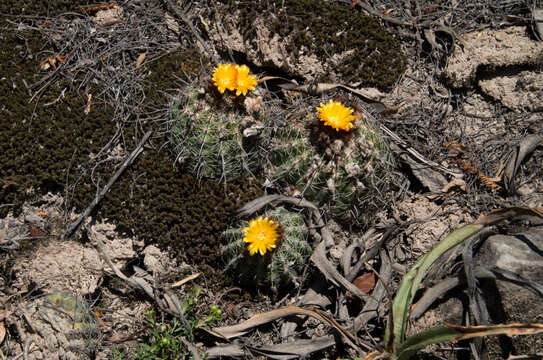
73	227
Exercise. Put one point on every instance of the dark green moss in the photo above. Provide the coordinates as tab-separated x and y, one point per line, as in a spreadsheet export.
159	204
167	74
40	143
328	28
42	8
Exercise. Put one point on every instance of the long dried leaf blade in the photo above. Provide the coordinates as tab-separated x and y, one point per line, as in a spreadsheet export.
229	332
290	350
468	332
515	212
453	333
296	349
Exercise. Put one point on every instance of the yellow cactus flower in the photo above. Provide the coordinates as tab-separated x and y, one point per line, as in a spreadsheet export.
224	77
262	235
336	115
244	81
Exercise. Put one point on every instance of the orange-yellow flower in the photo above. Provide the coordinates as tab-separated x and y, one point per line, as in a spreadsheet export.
224	77
244	81
262	235
336	115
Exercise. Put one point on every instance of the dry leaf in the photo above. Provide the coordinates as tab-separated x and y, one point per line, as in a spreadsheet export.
2	332
229	332
535	215
185	280
393	109
88	107
365	282
115	338
141	59
468	332
36	232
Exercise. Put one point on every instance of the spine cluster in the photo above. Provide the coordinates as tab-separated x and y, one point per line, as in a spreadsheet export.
278	268
210	144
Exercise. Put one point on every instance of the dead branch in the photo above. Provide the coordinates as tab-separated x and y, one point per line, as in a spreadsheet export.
72	228
180	15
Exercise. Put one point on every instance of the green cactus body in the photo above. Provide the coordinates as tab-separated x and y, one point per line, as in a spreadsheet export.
210	143
281	267
72	306
345	174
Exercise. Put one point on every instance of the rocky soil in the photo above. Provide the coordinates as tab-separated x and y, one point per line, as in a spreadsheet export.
458	103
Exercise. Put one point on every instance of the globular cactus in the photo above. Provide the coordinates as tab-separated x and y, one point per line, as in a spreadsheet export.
344	171
63	327
210	143
278	268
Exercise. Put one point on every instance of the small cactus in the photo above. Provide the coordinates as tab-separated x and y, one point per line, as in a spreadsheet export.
280	267
340	170
210	143
63	326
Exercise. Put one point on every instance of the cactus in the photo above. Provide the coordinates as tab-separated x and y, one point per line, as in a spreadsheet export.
344	171
281	267
210	143
63	326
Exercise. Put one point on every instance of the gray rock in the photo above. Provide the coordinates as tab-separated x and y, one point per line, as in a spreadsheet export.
518	92
488	50
521	254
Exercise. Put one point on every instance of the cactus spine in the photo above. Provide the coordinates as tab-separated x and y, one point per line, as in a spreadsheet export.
210	143
345	172
278	268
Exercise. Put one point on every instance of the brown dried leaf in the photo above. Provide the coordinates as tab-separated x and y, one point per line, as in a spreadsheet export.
229	332
2	332
36	232
393	109
533	214
365	282
141	59
468	332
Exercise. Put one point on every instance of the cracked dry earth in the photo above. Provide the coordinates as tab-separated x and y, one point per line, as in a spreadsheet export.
478	108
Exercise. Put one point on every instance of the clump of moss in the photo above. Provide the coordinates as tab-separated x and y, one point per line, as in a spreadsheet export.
42	8
371	55
43	144
278	268
165	75
156	202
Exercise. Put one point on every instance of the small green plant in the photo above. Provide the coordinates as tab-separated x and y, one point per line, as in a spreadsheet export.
397	346
210	143
118	354
164	337
283	265
163	340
